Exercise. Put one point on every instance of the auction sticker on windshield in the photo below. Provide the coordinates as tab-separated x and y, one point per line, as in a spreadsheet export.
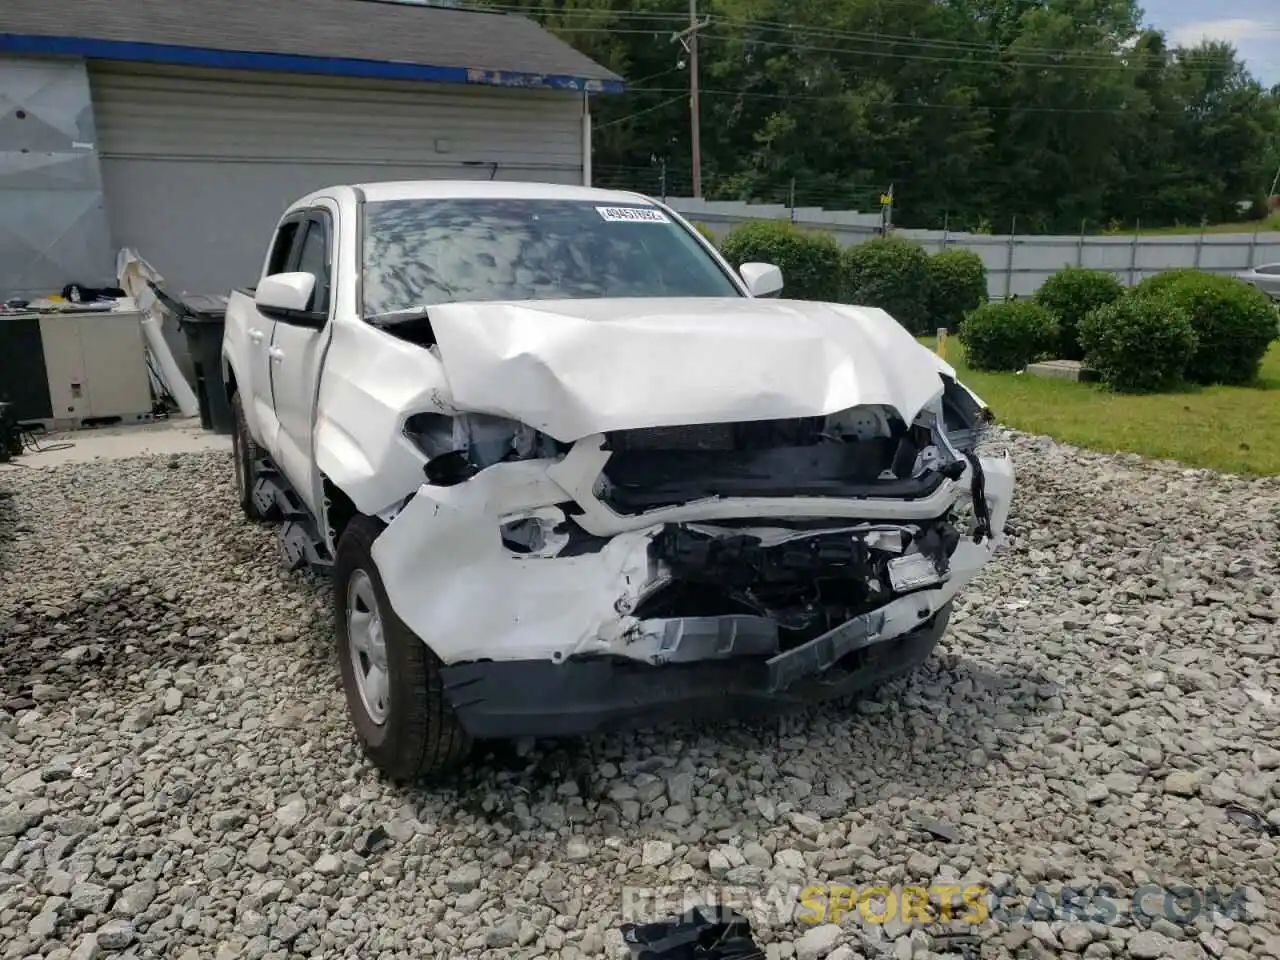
632	215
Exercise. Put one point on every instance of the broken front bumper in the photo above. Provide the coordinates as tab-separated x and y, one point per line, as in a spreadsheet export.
538	698
553	631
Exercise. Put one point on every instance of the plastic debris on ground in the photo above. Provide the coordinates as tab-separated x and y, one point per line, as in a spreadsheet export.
704	933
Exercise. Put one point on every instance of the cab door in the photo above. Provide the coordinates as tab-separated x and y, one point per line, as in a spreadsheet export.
297	354
256	394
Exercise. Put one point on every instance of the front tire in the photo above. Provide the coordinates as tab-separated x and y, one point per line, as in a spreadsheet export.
246	454
392	683
913	650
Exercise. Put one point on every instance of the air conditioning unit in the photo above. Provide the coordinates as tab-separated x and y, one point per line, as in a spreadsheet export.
66	368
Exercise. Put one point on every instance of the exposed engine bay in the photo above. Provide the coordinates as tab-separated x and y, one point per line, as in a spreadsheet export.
806	581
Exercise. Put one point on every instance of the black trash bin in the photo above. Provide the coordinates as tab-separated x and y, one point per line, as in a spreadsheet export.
202	320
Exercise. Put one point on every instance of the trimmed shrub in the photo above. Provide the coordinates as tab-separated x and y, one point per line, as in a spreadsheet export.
893	274
1163	281
957	284
1139	343
1234	322
1071	295
707	235
810	262
1008	335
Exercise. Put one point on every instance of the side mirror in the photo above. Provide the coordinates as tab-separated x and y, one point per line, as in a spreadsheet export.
762	279
286	296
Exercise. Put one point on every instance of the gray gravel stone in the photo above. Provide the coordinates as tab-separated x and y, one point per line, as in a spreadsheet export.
1116	667
115	935
1149	945
1075	937
1183	783
90	898
465	878
292	812
656	853
806	825
136	898
818	942
328	865
13	823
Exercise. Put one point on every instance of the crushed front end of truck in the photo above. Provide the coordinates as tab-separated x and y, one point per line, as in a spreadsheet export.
688	571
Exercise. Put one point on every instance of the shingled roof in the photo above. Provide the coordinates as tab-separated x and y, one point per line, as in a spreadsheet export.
370	38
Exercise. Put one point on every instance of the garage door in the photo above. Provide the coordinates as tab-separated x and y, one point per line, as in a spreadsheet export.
198	166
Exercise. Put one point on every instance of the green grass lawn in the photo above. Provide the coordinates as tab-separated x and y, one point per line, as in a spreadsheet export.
1232	429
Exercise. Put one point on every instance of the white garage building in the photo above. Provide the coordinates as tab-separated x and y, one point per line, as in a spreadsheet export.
183	128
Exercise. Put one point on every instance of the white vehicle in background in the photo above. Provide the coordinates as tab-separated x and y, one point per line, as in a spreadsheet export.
1266	278
569	470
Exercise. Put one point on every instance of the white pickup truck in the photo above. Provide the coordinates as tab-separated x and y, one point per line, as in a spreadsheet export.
569	470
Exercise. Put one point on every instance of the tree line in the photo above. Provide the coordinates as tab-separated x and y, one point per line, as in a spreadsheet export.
979	114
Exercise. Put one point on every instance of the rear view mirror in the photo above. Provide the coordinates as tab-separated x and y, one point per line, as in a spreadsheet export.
762	279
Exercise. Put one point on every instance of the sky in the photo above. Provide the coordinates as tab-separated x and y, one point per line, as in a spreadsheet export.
1252	25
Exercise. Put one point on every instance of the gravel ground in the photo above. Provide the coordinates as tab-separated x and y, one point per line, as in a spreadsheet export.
177	778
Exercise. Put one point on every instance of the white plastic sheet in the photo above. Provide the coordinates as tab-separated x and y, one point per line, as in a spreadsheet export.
134	273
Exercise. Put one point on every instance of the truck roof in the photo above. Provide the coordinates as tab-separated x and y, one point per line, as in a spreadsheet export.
485	189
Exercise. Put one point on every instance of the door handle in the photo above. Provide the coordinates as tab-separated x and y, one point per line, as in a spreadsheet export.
275	353
256	335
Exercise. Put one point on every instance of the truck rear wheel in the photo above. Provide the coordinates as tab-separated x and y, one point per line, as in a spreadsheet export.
246	454
391	679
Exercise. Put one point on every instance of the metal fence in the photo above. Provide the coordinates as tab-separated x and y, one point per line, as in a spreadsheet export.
1016	265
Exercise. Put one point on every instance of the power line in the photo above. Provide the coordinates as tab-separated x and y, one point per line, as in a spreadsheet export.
532	8
1104	60
940	43
923	58
655	76
893	55
832	98
639	113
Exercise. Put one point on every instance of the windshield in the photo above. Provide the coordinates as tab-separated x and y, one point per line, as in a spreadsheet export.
418	253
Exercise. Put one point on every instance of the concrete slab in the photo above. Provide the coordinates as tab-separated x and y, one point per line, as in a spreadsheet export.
1062	370
121	442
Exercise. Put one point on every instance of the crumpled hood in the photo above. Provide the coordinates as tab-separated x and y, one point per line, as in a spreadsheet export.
576	368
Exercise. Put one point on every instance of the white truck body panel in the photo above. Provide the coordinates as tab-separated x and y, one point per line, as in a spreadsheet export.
574	368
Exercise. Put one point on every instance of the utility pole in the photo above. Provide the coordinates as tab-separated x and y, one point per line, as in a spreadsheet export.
694	105
689	40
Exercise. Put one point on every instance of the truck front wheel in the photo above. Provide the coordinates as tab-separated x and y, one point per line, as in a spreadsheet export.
391	679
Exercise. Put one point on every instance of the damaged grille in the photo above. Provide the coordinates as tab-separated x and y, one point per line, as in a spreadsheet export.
719	437
807	583
660	467
712	436
743	561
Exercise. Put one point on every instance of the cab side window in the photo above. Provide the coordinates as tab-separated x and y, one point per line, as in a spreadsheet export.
313	258
281	247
